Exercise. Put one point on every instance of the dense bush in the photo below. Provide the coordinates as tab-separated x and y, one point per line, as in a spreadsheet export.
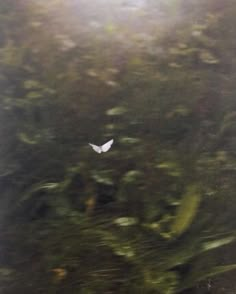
156	213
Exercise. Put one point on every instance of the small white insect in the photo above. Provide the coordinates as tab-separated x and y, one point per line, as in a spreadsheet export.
104	148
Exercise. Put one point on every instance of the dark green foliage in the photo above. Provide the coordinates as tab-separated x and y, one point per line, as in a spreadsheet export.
155	214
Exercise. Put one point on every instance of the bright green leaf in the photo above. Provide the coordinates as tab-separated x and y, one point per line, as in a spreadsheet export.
186	211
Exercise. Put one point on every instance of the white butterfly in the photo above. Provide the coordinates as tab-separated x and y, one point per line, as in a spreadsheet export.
104	148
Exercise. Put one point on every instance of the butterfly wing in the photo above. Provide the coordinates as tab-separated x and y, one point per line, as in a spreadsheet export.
107	146
96	148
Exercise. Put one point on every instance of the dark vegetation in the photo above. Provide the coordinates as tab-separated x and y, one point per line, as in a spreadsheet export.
156	214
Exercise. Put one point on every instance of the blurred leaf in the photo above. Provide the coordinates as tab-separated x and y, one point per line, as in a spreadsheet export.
119	246
132	176
5	271
92	73
129	140
102	177
171	168
119	110
6	274
174	65
186	211
59	274
153	226
124	250
39	187
217	243
34	95
32	84
208	57
179	111
163	283
126	221
49	186
111	83
110	28
28	140
111	127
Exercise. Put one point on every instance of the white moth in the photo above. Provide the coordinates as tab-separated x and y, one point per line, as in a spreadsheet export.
104	148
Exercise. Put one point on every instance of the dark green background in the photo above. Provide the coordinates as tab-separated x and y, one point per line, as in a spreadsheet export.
155	214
